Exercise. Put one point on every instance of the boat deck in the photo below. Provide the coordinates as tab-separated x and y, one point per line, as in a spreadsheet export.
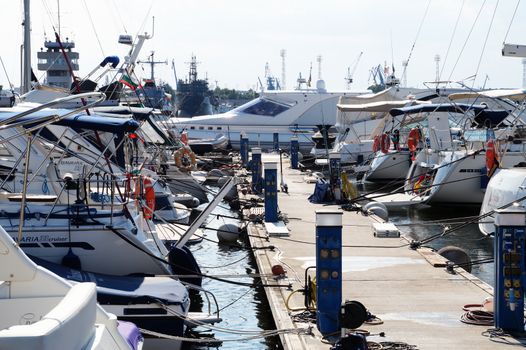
398	199
418	303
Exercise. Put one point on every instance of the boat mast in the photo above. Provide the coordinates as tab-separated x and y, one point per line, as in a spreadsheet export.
26	77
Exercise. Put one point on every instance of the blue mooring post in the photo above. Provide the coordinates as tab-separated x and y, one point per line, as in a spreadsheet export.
294	149
335	170
256	170
275	138
509	269
271	192
243	148
328	270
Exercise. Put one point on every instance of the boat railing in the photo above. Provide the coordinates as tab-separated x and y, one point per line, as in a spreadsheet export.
208	295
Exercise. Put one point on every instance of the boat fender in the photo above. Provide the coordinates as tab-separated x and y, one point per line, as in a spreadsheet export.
492	161
144	186
376	144
184	138
385	143
183	263
456	255
71	260
378	209
228	233
278	270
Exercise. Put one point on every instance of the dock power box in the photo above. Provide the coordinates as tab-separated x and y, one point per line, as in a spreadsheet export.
509	269
328	270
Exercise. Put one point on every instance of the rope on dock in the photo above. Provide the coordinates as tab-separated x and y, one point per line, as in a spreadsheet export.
217	341
250	334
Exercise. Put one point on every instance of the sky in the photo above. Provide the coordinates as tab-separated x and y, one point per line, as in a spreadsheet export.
234	39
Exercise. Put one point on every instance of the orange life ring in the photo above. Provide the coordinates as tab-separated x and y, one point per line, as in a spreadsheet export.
376	144
413	139
385	143
491	157
144	188
182	153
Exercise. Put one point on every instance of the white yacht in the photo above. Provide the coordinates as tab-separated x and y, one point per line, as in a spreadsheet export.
42	311
506	186
458	174
287	113
360	118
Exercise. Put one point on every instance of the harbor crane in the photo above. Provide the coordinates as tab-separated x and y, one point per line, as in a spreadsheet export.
350	73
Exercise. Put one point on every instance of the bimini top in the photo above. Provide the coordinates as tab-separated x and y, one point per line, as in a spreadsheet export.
512	94
378	106
80	121
438	107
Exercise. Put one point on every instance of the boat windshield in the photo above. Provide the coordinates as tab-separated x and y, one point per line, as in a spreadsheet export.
266	107
479	135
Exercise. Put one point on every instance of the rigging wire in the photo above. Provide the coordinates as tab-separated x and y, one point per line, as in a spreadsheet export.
511	22
452	37
6	75
485	42
467	39
417	35
93	27
118	12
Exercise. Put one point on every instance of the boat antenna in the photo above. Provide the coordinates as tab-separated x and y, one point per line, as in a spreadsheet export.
175	72
417	35
6	75
58	15
26	81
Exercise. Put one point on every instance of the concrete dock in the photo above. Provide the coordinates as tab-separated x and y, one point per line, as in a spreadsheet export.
418	303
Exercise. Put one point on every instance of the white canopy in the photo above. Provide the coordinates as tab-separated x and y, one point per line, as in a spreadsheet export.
512	94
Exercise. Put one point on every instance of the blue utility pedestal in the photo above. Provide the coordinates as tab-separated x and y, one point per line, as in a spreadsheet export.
294	150
509	269
275	138
243	149
271	192
328	270
256	170
335	170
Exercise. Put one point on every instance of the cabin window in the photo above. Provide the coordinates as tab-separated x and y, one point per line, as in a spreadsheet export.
201	128
192	128
210	128
219	128
266	108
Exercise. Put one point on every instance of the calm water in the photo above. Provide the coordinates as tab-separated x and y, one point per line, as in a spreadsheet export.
420	222
245	308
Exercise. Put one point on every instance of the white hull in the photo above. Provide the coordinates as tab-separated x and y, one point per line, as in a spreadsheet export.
460	181
505	187
392	166
42	311
288	113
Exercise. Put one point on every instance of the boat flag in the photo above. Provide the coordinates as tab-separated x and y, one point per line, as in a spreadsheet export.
126	80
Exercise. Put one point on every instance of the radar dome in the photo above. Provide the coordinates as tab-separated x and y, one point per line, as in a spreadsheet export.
320	85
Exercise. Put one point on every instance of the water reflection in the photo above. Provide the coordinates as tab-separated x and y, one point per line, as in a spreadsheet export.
244	308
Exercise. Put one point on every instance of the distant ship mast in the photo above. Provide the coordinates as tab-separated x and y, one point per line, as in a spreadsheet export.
192	74
152	62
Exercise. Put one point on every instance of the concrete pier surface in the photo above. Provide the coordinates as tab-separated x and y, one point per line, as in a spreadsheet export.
418	303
